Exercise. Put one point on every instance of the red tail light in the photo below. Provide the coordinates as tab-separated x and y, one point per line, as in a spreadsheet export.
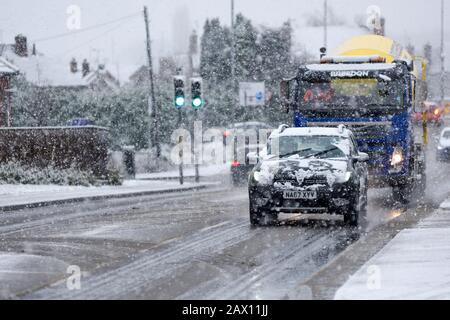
235	163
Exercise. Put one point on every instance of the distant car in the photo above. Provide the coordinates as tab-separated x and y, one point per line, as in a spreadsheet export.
79	122
241	166
443	148
434	114
309	171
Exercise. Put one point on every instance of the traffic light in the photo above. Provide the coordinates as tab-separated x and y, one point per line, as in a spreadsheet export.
179	97
196	93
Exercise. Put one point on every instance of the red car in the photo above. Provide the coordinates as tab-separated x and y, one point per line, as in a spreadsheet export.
434	114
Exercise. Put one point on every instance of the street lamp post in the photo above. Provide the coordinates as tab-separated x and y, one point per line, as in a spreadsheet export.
233	62
442	53
325	23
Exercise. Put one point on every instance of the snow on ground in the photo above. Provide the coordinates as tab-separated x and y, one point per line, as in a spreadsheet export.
19	272
414	265
446	205
206	171
11	195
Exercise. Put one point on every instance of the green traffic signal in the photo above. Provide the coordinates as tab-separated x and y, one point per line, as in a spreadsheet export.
196	93
197	102
179	97
179	102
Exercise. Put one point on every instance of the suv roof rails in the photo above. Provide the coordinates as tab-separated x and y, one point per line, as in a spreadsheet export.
282	128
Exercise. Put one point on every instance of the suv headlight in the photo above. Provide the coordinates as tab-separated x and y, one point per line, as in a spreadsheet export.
257	176
348	175
397	157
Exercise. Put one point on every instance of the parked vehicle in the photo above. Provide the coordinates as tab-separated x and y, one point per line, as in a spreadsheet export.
443	148
433	114
79	122
245	138
309	171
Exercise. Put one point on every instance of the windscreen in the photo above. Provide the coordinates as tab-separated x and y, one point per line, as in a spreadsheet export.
304	146
367	92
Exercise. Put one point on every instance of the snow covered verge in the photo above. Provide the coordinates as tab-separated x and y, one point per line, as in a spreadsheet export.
446	205
188	171
13	173
414	265
32	195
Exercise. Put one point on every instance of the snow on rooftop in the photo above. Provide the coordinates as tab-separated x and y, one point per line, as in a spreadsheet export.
310	131
6	67
351	67
44	71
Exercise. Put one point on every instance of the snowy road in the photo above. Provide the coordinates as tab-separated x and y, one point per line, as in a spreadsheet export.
196	245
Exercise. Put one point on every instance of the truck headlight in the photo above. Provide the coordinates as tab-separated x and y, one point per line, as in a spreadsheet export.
397	157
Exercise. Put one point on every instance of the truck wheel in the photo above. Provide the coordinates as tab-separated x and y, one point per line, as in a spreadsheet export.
402	193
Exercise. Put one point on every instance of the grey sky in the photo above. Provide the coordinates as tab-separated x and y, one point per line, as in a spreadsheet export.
121	45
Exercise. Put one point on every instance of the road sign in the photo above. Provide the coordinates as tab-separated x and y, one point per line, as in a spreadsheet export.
252	94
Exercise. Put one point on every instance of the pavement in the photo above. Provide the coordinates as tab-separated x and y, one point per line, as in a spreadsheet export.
413	265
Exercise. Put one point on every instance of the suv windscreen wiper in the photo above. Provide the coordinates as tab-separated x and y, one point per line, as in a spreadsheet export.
293	153
321	152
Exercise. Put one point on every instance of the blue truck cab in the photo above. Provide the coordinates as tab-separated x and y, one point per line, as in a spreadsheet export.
375	100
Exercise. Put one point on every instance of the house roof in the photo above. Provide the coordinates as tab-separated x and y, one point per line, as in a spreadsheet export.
7	68
104	76
41	70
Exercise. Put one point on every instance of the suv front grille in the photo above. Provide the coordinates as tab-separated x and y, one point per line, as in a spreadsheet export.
320	180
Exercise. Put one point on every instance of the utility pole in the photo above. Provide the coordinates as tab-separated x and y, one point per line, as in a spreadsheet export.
325	23
442	53
192	51
233	61
154	113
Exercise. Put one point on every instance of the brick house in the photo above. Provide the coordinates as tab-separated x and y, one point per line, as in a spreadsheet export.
7	71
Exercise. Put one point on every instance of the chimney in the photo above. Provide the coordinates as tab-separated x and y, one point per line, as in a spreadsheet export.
73	66
20	47
85	68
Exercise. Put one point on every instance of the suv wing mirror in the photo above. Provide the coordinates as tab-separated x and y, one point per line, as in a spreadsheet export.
253	158
362	157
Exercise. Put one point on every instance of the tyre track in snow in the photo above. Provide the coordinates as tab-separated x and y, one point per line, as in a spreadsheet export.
22	221
128	281
287	266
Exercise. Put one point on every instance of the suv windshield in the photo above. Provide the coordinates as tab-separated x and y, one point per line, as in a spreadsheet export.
321	147
350	93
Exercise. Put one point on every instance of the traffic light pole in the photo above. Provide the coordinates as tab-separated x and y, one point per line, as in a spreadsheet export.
197	173
180	143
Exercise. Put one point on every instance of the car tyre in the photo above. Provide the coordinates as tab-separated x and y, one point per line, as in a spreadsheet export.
261	218
359	210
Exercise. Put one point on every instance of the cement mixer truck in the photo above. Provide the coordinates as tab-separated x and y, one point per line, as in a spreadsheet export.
372	85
